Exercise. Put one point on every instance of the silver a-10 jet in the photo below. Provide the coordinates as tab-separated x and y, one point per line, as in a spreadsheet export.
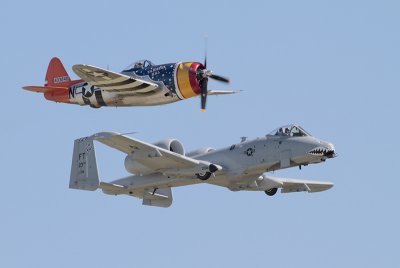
158	167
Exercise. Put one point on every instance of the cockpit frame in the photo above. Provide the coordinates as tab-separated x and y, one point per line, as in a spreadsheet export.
140	64
289	131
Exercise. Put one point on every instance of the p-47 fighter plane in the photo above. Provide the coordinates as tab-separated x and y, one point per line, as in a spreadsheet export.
140	84
160	166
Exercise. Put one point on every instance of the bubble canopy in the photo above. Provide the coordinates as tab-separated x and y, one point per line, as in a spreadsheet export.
139	64
290	131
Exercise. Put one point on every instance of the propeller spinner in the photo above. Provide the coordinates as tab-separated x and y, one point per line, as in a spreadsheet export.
202	75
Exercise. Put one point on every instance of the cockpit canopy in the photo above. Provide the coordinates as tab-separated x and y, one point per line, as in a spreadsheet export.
290	131
139	64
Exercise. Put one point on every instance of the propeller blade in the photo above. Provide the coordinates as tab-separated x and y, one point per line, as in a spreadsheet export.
205	52
203	94
220	78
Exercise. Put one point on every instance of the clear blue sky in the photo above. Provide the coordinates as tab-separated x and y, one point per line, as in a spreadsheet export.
331	66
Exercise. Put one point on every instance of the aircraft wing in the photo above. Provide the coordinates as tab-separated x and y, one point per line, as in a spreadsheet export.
293	185
155	158
222	92
112	81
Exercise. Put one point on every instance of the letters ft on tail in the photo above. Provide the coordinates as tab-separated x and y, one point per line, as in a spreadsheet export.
140	84
158	167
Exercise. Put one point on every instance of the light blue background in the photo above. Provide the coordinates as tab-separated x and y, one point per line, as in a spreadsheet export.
331	66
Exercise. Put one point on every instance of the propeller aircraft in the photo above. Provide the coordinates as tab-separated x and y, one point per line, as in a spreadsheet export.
158	167
140	84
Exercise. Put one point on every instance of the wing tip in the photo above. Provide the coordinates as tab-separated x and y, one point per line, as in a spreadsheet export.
105	135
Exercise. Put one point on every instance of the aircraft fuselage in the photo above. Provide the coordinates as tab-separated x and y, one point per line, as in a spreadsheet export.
244	163
175	82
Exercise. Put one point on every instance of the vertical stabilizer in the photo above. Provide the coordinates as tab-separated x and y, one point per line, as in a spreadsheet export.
84	174
56	75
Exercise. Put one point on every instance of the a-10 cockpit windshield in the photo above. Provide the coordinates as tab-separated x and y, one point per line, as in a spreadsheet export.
290	131
139	64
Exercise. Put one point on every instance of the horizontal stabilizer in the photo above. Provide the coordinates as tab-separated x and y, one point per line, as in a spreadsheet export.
43	89
112	189
151	197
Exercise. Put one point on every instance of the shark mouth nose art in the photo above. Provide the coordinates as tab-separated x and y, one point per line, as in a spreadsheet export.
321	151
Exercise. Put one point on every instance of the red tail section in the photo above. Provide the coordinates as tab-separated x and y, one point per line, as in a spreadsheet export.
56	75
56	87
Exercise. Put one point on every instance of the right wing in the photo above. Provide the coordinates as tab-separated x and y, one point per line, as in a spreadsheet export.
293	185
112	81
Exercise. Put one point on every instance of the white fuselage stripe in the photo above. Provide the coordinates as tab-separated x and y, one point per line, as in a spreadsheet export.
177	90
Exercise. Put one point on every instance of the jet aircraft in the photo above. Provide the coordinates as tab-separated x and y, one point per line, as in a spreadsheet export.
158	167
140	84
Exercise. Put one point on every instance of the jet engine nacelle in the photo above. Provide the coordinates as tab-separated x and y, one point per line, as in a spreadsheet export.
172	145
135	167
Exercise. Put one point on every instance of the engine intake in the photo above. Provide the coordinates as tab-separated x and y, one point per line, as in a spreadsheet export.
172	145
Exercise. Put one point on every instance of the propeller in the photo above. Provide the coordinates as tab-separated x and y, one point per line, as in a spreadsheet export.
203	94
202	75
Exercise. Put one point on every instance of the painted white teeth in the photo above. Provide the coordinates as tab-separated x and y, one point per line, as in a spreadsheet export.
322	152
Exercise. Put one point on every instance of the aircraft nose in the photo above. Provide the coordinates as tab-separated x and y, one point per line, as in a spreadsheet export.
326	150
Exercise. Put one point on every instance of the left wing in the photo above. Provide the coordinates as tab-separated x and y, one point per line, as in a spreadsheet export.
293	185
112	81
155	158
222	92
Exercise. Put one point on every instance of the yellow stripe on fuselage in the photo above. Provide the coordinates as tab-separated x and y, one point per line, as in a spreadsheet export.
183	80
